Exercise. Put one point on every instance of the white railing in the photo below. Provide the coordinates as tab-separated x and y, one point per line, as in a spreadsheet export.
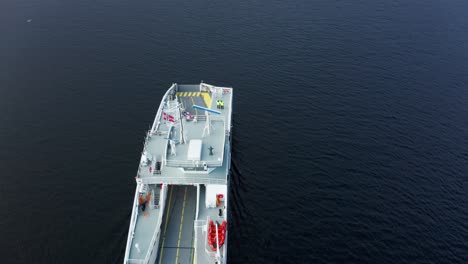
158	114
131	230
217	118
156	234
200	117
158	133
136	261
229	124
186	179
212	117
151	245
193	163
154	239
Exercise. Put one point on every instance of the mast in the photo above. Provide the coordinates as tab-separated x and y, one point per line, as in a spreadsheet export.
182	136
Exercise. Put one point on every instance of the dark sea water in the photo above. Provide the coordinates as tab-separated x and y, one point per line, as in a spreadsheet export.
350	124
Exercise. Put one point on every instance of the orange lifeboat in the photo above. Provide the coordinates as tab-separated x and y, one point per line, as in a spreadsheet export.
212	234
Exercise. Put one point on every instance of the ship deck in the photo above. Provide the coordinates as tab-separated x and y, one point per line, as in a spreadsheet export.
145	226
204	254
180	235
176	243
195	131
156	144
174	175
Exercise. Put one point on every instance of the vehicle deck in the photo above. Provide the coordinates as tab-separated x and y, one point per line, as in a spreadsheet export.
176	242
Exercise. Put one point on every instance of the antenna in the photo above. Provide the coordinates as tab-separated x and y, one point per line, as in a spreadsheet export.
208	120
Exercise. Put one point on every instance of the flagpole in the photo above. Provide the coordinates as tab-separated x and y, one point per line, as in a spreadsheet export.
181	124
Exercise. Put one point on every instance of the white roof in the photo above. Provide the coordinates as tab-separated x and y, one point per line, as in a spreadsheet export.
194	149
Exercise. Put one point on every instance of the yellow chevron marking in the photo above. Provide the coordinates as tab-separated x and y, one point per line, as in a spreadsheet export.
207	99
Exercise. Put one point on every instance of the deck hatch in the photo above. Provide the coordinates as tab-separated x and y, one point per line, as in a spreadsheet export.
194	149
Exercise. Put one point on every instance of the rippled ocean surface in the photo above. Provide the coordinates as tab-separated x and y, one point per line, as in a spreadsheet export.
350	124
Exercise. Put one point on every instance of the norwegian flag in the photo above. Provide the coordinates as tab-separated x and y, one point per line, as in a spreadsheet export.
168	117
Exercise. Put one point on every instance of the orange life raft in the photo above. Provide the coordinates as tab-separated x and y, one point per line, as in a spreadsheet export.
212	234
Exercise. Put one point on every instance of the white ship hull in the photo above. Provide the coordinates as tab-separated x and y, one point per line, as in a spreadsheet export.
180	212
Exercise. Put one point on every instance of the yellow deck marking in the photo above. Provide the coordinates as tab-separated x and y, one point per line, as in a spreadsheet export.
180	227
198	94
165	226
185	94
178	93
206	99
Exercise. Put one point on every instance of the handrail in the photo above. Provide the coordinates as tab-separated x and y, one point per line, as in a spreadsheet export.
131	229
216	118
155	125
212	117
156	231
193	163
135	261
200	117
187	179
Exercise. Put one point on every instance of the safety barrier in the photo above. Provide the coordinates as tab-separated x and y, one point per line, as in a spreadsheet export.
186	179
193	163
135	261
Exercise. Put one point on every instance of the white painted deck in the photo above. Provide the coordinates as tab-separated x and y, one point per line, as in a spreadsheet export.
144	229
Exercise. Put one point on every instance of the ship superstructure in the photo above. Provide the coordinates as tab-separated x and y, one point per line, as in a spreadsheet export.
180	208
